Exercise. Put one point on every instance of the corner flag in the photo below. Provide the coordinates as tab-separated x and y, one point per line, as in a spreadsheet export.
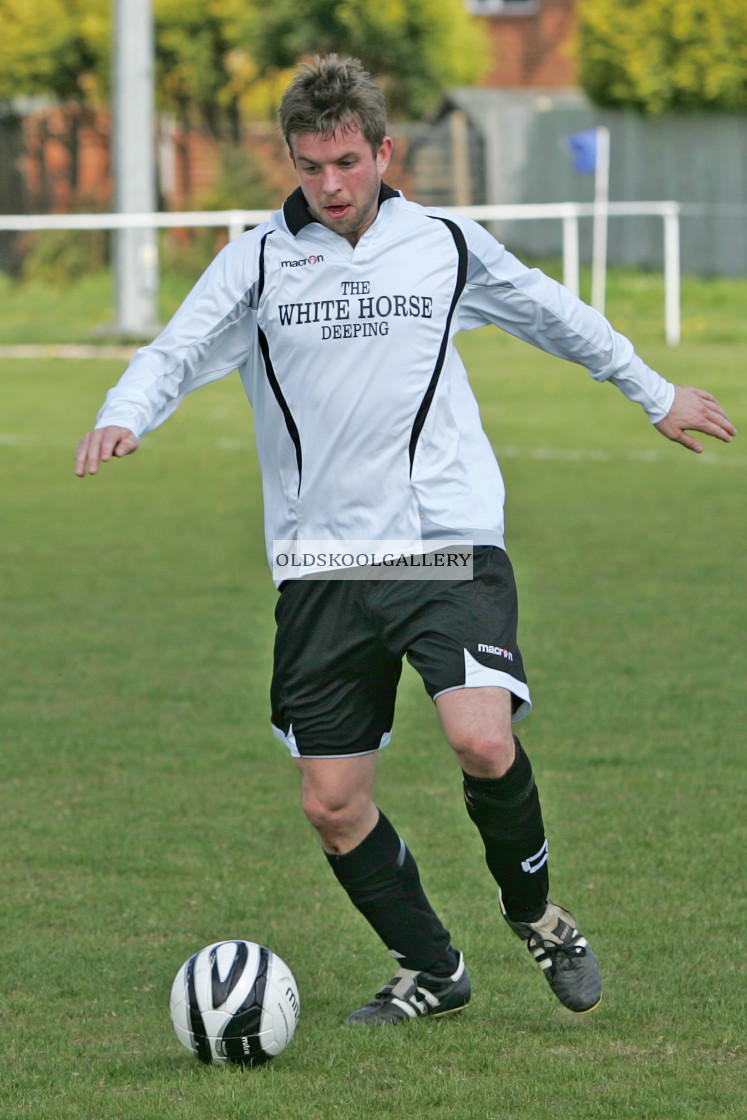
583	147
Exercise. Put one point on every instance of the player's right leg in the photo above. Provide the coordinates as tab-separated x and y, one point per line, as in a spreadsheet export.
378	872
333	696
336	795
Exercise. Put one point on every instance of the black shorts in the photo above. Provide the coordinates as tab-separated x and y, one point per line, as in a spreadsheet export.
339	647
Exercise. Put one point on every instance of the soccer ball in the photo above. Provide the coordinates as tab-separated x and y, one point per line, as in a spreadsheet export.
235	1001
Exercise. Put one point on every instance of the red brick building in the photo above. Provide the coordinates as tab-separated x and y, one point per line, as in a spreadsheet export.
532	42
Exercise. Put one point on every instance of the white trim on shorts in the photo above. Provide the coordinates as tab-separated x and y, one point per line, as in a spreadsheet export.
482	676
290	742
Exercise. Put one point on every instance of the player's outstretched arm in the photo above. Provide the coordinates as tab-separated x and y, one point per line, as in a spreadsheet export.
99	445
695	410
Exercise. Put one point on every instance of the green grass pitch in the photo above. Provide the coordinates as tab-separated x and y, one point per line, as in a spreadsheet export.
146	809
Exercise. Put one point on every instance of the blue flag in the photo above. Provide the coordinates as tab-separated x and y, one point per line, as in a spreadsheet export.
583	146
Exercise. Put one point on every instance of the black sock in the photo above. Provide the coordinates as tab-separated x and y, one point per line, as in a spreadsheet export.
507	813
382	881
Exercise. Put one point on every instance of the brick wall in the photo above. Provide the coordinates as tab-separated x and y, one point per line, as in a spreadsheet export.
64	162
534	51
65	159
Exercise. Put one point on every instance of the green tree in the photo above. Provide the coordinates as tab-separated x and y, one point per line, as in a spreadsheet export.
54	47
215	58
62	48
658	55
417	48
195	42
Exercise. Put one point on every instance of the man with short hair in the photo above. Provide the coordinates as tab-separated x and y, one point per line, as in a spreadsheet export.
340	314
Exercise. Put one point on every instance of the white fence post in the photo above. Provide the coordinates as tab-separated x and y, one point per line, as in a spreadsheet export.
672	283
236	226
571	277
601	216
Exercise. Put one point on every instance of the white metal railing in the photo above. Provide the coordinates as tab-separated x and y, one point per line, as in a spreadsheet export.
235	221
569	213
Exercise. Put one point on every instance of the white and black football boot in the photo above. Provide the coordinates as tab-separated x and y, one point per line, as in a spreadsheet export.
564	956
412	995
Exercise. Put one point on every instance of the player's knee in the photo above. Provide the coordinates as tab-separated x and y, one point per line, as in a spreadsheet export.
485	754
332	814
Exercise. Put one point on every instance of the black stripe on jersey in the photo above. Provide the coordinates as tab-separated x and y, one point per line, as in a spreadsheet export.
290	423
425	404
264	346
261	280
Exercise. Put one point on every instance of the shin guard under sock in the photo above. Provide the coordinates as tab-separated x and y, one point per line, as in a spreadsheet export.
383	883
507	813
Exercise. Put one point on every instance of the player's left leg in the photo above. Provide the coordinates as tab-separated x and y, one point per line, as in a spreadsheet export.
461	637
502	800
500	793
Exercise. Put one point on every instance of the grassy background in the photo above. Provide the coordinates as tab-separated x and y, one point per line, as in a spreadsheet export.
146	810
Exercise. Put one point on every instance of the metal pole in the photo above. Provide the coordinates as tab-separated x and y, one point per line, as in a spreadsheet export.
235	227
570	253
460	176
601	198
133	135
672	312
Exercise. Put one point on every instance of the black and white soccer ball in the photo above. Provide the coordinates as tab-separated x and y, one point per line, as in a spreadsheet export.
235	1001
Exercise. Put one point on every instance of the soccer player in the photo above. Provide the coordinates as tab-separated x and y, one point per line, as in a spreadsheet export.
340	313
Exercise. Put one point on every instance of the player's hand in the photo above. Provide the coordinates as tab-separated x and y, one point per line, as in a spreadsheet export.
695	410
99	445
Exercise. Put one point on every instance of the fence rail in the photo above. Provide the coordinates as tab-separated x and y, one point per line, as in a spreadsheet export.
569	213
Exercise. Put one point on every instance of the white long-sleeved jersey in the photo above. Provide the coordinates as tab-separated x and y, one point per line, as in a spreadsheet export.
366	425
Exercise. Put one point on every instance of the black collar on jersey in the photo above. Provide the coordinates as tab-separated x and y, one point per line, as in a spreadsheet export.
298	215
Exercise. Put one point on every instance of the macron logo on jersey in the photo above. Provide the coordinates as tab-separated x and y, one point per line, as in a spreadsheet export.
482	648
303	261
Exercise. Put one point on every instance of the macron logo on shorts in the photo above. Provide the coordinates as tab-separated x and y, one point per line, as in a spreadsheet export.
499	651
